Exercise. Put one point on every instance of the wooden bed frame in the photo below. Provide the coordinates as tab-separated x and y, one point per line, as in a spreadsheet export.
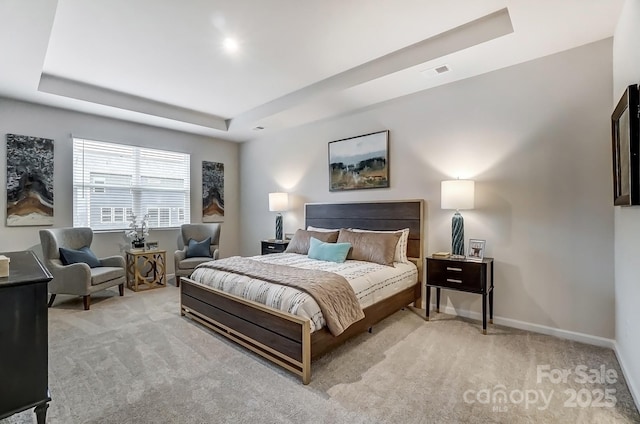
286	339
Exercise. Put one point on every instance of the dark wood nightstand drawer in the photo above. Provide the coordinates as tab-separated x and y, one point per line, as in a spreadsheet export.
273	246
459	275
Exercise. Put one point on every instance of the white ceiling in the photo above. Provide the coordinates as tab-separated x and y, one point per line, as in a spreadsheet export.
161	62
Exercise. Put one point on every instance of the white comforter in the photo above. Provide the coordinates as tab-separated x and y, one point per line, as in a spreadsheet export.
371	282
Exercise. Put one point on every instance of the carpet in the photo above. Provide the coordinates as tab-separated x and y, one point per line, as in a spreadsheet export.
134	359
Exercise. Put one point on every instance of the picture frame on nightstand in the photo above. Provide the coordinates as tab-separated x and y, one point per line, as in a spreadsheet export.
151	245
476	250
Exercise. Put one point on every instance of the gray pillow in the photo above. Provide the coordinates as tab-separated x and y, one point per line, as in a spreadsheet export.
371	247
82	255
199	249
300	241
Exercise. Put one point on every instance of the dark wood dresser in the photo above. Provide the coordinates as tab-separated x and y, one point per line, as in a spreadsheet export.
23	336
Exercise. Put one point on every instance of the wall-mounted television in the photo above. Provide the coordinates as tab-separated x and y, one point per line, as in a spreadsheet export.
625	141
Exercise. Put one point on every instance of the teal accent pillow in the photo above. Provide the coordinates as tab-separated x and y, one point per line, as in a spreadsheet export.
330	252
199	249
82	255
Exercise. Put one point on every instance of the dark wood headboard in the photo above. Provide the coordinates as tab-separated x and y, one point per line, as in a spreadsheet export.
382	215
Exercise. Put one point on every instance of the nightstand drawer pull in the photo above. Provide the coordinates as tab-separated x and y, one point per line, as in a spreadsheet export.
453	280
450	268
271	247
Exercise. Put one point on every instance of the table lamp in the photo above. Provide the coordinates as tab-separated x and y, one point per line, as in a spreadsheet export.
457	194
278	202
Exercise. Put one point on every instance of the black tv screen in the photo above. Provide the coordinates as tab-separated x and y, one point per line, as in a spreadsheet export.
625	140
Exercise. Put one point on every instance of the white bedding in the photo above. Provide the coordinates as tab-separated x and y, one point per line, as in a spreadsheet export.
371	283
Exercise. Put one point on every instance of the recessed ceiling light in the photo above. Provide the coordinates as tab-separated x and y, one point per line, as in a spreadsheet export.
230	44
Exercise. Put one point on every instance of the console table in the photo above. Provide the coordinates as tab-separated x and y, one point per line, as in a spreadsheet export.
146	269
23	336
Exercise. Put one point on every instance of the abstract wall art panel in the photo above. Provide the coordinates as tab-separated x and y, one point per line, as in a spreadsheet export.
212	191
29	181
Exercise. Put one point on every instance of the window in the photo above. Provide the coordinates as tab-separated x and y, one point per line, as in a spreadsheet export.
114	214
97	181
112	182
118	214
105	215
165	217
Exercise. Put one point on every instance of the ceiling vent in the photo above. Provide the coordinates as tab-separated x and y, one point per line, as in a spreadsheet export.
438	70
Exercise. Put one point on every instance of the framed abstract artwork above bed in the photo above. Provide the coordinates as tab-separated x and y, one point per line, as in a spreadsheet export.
359	162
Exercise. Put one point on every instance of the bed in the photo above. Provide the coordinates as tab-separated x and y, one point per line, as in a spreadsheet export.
287	339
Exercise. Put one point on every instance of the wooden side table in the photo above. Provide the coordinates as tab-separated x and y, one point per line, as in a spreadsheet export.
461	275
146	269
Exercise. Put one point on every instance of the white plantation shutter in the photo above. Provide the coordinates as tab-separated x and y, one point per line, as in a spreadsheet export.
112	181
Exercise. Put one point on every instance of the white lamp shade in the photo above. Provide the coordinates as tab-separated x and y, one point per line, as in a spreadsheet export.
457	194
278	202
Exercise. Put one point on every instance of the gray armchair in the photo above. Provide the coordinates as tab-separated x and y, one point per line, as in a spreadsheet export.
78	278
199	232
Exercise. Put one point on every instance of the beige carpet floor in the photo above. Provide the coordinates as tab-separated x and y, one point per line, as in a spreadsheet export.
136	360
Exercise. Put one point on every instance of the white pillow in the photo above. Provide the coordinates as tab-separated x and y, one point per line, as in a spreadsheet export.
401	247
322	230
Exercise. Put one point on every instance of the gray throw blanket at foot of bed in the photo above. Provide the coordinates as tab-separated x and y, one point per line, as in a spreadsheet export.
332	292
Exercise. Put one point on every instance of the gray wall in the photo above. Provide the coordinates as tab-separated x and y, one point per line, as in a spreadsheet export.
626	71
535	137
41	121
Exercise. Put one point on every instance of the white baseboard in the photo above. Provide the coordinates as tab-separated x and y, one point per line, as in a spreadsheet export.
635	393
536	328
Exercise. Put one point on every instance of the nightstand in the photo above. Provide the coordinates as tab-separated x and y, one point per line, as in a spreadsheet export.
274	246
461	275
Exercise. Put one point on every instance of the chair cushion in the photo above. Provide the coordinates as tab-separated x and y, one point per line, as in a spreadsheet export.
84	255
331	252
191	263
103	274
199	249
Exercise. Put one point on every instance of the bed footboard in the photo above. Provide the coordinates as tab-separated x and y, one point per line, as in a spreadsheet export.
282	338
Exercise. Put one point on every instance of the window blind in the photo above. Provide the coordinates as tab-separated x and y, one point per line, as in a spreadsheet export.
112	182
